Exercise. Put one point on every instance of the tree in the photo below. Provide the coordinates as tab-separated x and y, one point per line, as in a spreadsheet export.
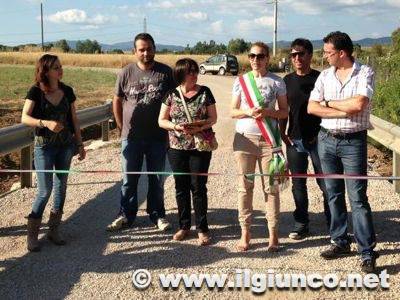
88	46
115	51
237	46
48	47
63	45
396	40
377	50
357	50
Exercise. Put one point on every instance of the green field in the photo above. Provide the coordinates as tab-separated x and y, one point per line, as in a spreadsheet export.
92	87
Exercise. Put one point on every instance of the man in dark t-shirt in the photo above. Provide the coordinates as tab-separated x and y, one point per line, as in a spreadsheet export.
301	138
139	91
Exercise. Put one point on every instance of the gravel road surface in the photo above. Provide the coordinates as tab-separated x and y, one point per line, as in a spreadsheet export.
96	264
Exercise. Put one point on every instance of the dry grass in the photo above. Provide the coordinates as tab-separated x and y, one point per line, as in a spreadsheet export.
90	60
104	60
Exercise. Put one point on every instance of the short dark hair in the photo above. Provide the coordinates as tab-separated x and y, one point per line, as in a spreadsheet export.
183	67
341	41
145	37
306	44
261	45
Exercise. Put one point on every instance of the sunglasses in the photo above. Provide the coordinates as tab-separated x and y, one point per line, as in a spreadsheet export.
258	56
300	54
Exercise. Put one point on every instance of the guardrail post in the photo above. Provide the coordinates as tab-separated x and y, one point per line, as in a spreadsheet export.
26	164
396	171
105	131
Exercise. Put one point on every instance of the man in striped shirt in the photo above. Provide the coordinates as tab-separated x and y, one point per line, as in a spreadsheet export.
342	98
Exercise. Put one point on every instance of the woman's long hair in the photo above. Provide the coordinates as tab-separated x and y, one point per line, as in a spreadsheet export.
43	66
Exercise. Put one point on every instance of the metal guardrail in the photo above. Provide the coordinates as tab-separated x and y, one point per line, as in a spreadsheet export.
388	135
20	137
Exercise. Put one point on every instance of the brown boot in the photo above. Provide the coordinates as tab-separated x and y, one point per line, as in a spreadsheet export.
54	222
33	232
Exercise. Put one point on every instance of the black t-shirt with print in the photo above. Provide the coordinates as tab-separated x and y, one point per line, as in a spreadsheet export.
301	124
142	93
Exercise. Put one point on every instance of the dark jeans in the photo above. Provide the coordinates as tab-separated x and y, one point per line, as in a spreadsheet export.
191	161
49	158
133	152
297	156
348	155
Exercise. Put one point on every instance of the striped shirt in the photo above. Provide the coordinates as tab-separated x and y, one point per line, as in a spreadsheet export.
328	87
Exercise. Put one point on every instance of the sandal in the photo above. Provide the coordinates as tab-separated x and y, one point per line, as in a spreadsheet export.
204	239
181	234
273	248
243	248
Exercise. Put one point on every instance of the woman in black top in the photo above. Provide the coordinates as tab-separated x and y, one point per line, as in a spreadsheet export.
50	108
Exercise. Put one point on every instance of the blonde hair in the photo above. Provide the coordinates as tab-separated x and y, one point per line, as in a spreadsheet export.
261	45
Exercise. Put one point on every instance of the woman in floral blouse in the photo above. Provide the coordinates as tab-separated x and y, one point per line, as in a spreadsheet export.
183	155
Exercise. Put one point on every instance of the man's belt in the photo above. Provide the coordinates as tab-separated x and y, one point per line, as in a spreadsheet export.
343	135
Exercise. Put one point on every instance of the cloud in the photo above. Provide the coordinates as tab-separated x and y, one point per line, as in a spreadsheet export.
318	7
216	27
162	4
249	25
395	3
307	8
87	27
265	21
77	16
196	16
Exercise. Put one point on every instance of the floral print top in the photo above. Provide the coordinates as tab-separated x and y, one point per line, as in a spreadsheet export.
197	106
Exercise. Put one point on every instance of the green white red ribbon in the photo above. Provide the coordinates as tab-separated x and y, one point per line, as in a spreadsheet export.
268	128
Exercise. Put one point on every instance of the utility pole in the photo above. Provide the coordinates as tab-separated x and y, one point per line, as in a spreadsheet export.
41	22
275	27
144	25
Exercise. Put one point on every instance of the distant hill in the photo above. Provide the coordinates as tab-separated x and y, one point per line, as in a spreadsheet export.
127	46
367	42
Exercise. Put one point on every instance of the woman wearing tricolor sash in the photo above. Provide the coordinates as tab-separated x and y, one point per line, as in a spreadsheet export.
257	140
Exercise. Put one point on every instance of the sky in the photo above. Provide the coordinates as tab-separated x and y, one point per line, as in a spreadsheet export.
182	22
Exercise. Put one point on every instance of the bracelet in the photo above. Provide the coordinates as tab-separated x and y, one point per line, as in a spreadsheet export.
41	125
175	127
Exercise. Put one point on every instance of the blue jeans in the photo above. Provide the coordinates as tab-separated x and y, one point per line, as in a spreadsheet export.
297	156
348	155
133	152
49	158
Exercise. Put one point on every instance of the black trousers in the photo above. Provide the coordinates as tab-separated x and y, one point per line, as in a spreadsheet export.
191	161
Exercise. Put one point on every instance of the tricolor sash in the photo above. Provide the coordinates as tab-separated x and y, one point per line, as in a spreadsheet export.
269	131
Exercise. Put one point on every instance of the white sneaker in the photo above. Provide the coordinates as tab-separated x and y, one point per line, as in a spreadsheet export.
117	224
163	224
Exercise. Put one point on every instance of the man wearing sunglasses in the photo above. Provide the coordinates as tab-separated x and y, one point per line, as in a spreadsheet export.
342	98
301	138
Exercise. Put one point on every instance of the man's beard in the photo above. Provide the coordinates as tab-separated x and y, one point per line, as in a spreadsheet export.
148	61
